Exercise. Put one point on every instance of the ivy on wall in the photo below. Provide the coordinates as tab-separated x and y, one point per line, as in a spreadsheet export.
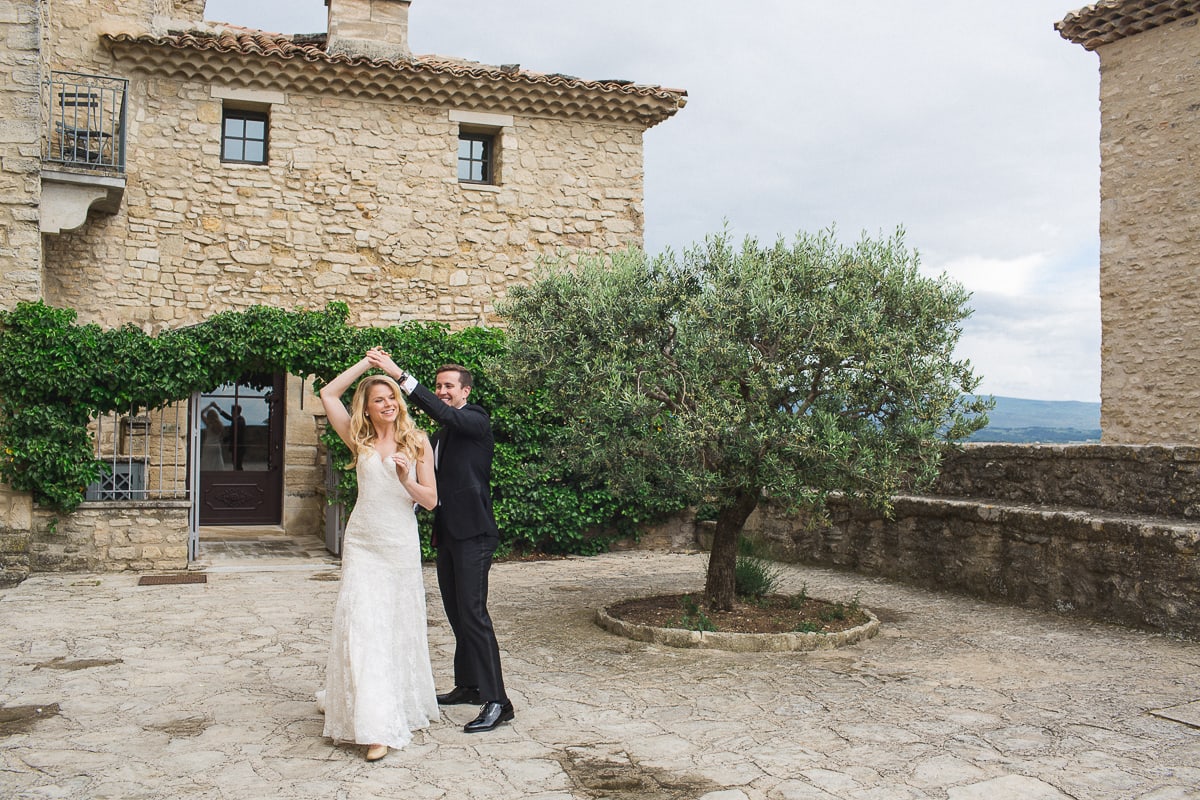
56	375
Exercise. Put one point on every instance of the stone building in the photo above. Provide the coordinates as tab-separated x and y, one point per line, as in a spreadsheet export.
1149	217
158	168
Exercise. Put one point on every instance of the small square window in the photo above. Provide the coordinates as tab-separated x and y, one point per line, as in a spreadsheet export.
244	136
476	158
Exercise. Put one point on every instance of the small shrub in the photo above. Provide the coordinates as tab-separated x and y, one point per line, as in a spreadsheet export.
755	578
808	626
694	618
836	612
798	600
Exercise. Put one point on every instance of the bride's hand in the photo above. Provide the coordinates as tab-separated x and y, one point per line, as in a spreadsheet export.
401	462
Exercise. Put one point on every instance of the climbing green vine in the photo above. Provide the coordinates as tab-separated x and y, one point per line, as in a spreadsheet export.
56	375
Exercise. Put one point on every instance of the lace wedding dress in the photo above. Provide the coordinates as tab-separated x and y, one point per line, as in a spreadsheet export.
379	682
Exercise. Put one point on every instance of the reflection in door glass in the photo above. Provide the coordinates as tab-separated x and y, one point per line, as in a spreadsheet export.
236	421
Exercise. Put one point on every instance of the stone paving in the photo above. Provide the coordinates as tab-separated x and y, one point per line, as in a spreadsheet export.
206	691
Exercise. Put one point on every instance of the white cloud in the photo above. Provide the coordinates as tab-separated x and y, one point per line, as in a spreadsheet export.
1010	277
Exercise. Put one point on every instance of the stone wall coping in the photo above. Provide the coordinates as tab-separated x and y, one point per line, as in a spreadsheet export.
108	505
993	509
1123	452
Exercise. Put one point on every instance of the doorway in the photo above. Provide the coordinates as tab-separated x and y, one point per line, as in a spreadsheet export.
241	451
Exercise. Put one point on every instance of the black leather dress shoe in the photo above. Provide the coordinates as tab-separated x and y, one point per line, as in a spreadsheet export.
491	715
459	695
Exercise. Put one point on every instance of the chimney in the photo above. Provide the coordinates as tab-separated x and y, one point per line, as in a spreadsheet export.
372	28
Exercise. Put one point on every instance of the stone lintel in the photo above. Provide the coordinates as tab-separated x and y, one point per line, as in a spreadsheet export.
482	119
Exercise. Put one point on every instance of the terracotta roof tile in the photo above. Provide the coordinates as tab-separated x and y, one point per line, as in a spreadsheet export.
1111	20
654	102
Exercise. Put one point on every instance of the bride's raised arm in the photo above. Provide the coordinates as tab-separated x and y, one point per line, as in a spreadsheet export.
331	398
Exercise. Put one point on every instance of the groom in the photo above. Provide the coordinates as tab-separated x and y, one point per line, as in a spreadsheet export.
464	532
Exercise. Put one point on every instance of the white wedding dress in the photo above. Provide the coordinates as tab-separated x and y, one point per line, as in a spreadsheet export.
379	681
211	455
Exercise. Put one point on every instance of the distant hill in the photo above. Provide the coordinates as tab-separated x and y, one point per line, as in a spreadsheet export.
1017	420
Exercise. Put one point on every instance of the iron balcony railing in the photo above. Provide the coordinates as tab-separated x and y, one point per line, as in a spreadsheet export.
86	121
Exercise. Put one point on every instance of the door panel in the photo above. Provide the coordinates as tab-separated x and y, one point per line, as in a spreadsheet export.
241	452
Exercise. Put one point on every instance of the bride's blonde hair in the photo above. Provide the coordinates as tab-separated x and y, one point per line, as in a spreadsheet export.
362	432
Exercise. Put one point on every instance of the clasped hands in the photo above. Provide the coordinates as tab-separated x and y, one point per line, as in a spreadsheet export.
377	357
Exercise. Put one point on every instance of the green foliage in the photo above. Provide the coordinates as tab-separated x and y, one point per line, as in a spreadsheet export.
787	371
754	578
694	618
55	376
837	612
856	603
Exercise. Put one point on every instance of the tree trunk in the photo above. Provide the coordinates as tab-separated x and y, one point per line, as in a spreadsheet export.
722	560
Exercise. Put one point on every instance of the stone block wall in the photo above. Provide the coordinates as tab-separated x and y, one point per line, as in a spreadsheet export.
1140	480
16	525
360	203
1105	532
674	534
359	200
111	537
1149	227
21	30
20	151
304	472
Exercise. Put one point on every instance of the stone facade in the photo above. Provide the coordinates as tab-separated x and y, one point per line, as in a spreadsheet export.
359	201
365	209
1149	224
20	137
111	536
1149	221
21	29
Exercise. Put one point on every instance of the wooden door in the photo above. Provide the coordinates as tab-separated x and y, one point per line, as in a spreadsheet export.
241	452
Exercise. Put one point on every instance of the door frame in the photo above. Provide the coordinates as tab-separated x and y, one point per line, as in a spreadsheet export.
261	490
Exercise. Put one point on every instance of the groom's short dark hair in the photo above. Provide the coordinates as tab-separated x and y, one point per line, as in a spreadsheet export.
464	375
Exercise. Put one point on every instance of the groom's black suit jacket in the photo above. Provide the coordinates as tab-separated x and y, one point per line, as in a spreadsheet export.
463	446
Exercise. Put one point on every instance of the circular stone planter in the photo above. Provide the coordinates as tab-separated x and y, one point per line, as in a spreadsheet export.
740	642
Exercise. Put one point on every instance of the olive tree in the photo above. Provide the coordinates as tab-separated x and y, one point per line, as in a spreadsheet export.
730	375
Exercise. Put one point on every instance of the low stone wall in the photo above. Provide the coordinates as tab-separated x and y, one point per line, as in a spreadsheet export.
1088	545
1117	479
674	534
111	537
16	519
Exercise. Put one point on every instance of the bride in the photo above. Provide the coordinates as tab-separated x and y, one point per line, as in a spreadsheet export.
378	681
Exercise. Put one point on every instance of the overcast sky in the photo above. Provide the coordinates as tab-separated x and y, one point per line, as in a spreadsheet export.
975	126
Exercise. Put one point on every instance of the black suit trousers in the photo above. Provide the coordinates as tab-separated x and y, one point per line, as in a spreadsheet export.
462	570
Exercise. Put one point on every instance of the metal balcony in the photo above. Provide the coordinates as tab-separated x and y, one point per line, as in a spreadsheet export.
83	148
86	122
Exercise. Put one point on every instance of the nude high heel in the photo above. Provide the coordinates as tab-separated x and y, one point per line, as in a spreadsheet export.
376	752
